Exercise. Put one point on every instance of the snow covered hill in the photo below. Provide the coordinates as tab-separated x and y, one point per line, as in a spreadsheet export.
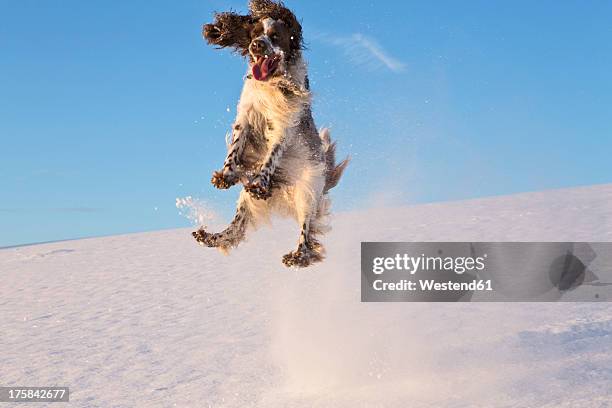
153	320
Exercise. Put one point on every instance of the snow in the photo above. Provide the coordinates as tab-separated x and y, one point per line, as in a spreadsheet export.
154	320
198	211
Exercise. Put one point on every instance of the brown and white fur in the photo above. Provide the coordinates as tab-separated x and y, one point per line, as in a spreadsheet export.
284	164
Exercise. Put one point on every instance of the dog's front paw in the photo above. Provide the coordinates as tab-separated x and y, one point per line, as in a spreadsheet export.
259	188
223	179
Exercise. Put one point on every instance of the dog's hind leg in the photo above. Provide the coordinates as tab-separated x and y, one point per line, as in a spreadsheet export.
232	235
309	250
311	208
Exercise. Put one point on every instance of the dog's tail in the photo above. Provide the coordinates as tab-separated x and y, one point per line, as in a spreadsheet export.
333	171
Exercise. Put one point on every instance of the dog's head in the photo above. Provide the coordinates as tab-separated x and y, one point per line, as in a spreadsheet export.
270	36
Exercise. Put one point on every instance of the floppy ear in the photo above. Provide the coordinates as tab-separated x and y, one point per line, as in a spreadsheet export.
229	30
278	11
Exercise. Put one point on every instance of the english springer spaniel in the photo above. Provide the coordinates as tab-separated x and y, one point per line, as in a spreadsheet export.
284	164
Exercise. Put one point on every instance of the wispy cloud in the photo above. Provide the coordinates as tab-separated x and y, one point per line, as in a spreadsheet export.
364	51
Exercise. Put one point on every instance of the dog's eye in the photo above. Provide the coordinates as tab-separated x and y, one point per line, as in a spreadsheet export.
274	37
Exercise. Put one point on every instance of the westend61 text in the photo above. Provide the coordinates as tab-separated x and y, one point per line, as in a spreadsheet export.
432	285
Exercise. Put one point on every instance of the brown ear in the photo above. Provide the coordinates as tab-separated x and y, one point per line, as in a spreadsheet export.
277	11
229	30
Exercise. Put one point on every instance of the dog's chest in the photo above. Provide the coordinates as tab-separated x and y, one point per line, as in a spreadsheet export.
268	107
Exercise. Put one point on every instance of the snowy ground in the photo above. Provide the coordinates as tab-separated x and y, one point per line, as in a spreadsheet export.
153	320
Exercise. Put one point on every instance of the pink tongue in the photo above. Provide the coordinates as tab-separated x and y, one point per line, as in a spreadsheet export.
260	68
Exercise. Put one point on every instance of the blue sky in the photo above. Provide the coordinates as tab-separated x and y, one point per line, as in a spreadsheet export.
111	110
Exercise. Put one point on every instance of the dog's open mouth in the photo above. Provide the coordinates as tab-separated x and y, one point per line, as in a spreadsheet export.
265	66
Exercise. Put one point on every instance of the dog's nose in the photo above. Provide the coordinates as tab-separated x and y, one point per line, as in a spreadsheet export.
258	46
